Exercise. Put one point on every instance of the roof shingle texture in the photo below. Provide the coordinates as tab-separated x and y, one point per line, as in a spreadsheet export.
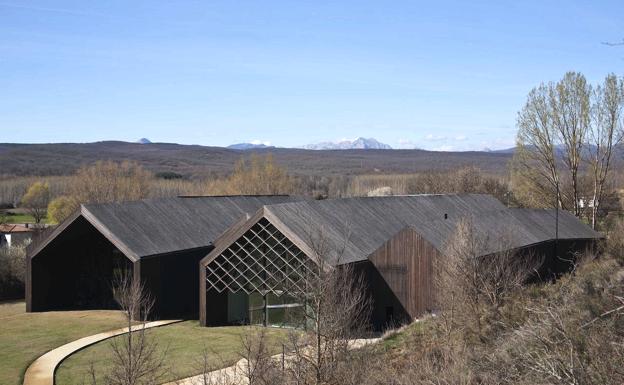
361	225
158	226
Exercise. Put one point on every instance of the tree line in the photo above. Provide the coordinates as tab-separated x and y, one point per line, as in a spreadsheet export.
108	181
568	133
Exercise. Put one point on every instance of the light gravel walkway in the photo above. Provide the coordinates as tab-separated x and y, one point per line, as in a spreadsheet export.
41	371
235	374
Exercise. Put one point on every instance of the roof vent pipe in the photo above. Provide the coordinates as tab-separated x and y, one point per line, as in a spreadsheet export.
445	216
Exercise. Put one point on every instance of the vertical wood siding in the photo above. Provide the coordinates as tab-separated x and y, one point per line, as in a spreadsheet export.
406	264
202	295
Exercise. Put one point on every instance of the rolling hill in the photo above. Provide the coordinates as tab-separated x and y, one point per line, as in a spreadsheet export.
195	160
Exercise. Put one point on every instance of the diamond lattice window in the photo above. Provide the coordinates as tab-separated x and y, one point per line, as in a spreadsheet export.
262	261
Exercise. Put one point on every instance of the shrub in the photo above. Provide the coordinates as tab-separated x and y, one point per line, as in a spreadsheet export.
168	175
61	208
12	272
614	244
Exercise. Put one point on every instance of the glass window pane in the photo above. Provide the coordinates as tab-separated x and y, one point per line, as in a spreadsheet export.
255	300
256	317
286	316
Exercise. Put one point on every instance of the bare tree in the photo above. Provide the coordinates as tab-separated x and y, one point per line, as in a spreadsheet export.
478	275
570	100
552	129
537	141
110	182
213	370
258	367
336	308
254	175
606	133
137	359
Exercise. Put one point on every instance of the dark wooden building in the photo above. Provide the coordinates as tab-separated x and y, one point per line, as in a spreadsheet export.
160	240
393	240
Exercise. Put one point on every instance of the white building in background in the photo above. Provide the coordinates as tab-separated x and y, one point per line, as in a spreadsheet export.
587	202
11	235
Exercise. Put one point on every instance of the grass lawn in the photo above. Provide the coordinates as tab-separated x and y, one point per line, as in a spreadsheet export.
26	336
22	218
398	339
184	343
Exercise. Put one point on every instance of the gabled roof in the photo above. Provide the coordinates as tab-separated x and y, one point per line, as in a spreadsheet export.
157	226
541	224
362	225
367	223
236	231
11	228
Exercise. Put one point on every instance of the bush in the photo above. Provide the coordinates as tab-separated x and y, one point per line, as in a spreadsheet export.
570	331
61	208
614	244
12	272
574	334
168	175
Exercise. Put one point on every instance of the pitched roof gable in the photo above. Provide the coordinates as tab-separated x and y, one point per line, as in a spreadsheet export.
157	226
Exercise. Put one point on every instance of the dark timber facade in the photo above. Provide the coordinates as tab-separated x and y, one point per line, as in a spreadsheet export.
160	241
394	241
245	259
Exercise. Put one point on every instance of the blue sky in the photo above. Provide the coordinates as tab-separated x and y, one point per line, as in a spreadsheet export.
443	75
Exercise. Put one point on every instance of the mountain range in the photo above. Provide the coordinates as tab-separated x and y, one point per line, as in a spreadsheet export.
357	144
248	146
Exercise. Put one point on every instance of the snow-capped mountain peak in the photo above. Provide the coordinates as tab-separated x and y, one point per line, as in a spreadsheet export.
359	143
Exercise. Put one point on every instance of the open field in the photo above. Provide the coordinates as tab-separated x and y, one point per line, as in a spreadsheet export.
26	336
184	343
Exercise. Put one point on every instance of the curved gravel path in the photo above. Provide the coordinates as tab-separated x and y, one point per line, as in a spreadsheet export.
41	371
235	374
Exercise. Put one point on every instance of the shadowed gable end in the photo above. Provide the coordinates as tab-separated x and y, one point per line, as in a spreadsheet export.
73	267
406	264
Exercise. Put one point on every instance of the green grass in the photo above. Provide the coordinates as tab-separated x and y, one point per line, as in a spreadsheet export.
22	218
26	336
184	343
397	339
